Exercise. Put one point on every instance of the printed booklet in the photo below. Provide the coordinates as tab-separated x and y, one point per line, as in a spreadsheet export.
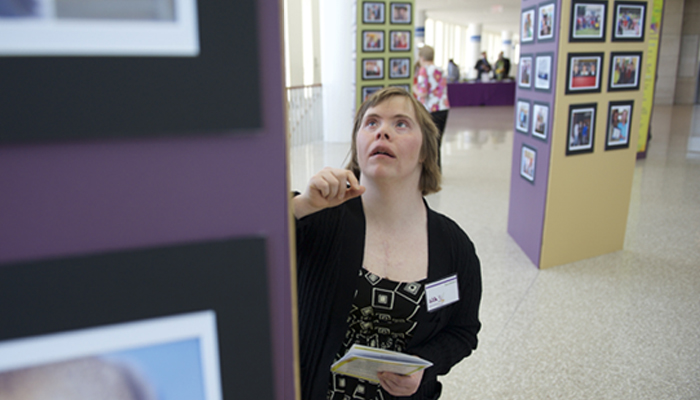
365	362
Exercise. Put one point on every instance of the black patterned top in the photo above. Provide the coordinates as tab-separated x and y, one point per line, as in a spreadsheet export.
382	316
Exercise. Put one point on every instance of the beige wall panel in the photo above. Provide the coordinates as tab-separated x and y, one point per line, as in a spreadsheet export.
588	194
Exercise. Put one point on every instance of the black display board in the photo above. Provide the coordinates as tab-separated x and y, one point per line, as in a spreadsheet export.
228	277
78	97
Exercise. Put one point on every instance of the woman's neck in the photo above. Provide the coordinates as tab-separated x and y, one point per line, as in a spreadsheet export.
392	203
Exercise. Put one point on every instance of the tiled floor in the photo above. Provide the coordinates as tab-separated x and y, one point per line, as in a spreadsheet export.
620	326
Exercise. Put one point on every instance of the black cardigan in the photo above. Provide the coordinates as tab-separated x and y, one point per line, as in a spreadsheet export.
330	249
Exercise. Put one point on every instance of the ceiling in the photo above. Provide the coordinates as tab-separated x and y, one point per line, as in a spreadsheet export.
494	15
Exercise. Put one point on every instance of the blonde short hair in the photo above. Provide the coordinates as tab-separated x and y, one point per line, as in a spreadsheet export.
430	172
427	53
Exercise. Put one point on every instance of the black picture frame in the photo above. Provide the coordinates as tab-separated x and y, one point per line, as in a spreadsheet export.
528	25
523	110
540	120
528	163
368	91
372	68
588	21
373	12
581	128
584	72
629	22
400	41
546	21
53	99
89	291
525	71
401	13
624	71
619	125
400	68
543	67
373	41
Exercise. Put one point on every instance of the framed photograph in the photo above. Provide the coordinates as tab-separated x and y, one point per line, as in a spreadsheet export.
581	128
525	71
400	41
373	12
545	22
543	72
368	91
189	326
583	72
624	71
522	117
629	21
587	21
528	157
399	68
148	351
618	128
404	87
372	41
401	13
527	25
372	68
540	120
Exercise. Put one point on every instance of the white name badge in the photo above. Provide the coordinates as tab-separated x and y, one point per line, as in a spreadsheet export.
442	293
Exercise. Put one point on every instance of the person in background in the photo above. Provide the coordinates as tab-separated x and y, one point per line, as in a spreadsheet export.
372	256
502	67
482	66
430	88
452	72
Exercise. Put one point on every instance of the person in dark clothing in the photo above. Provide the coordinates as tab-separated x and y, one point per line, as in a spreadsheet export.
374	260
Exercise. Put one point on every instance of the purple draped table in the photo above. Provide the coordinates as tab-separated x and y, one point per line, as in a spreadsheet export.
481	94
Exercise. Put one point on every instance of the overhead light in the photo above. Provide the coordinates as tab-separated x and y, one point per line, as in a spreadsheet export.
497	9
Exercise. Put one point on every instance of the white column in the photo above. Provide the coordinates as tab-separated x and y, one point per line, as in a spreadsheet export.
420	28
295	60
506	44
473	48
338	38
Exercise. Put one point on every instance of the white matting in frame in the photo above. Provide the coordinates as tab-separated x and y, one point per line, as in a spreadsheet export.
105	340
49	28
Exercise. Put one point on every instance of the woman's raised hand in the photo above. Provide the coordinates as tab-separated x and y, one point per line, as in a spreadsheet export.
328	188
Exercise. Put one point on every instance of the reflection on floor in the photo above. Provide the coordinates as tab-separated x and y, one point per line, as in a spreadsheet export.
620	326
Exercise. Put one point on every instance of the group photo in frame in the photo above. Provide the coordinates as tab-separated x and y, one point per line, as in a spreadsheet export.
525	71
372	68
400	41
543	72
399	68
581	128
624	71
527	25
522	118
368	91
528	157
540	120
545	22
401	13
588	21
629	21
583	72
373	12
373	41
618	127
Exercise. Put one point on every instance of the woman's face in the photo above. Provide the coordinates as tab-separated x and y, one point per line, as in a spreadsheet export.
389	141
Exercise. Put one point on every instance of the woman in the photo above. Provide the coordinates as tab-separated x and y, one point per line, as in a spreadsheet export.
371	255
430	88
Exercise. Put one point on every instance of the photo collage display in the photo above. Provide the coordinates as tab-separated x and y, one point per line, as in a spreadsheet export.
385	46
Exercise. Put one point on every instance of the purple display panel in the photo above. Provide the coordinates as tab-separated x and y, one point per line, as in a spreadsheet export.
528	196
81	198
